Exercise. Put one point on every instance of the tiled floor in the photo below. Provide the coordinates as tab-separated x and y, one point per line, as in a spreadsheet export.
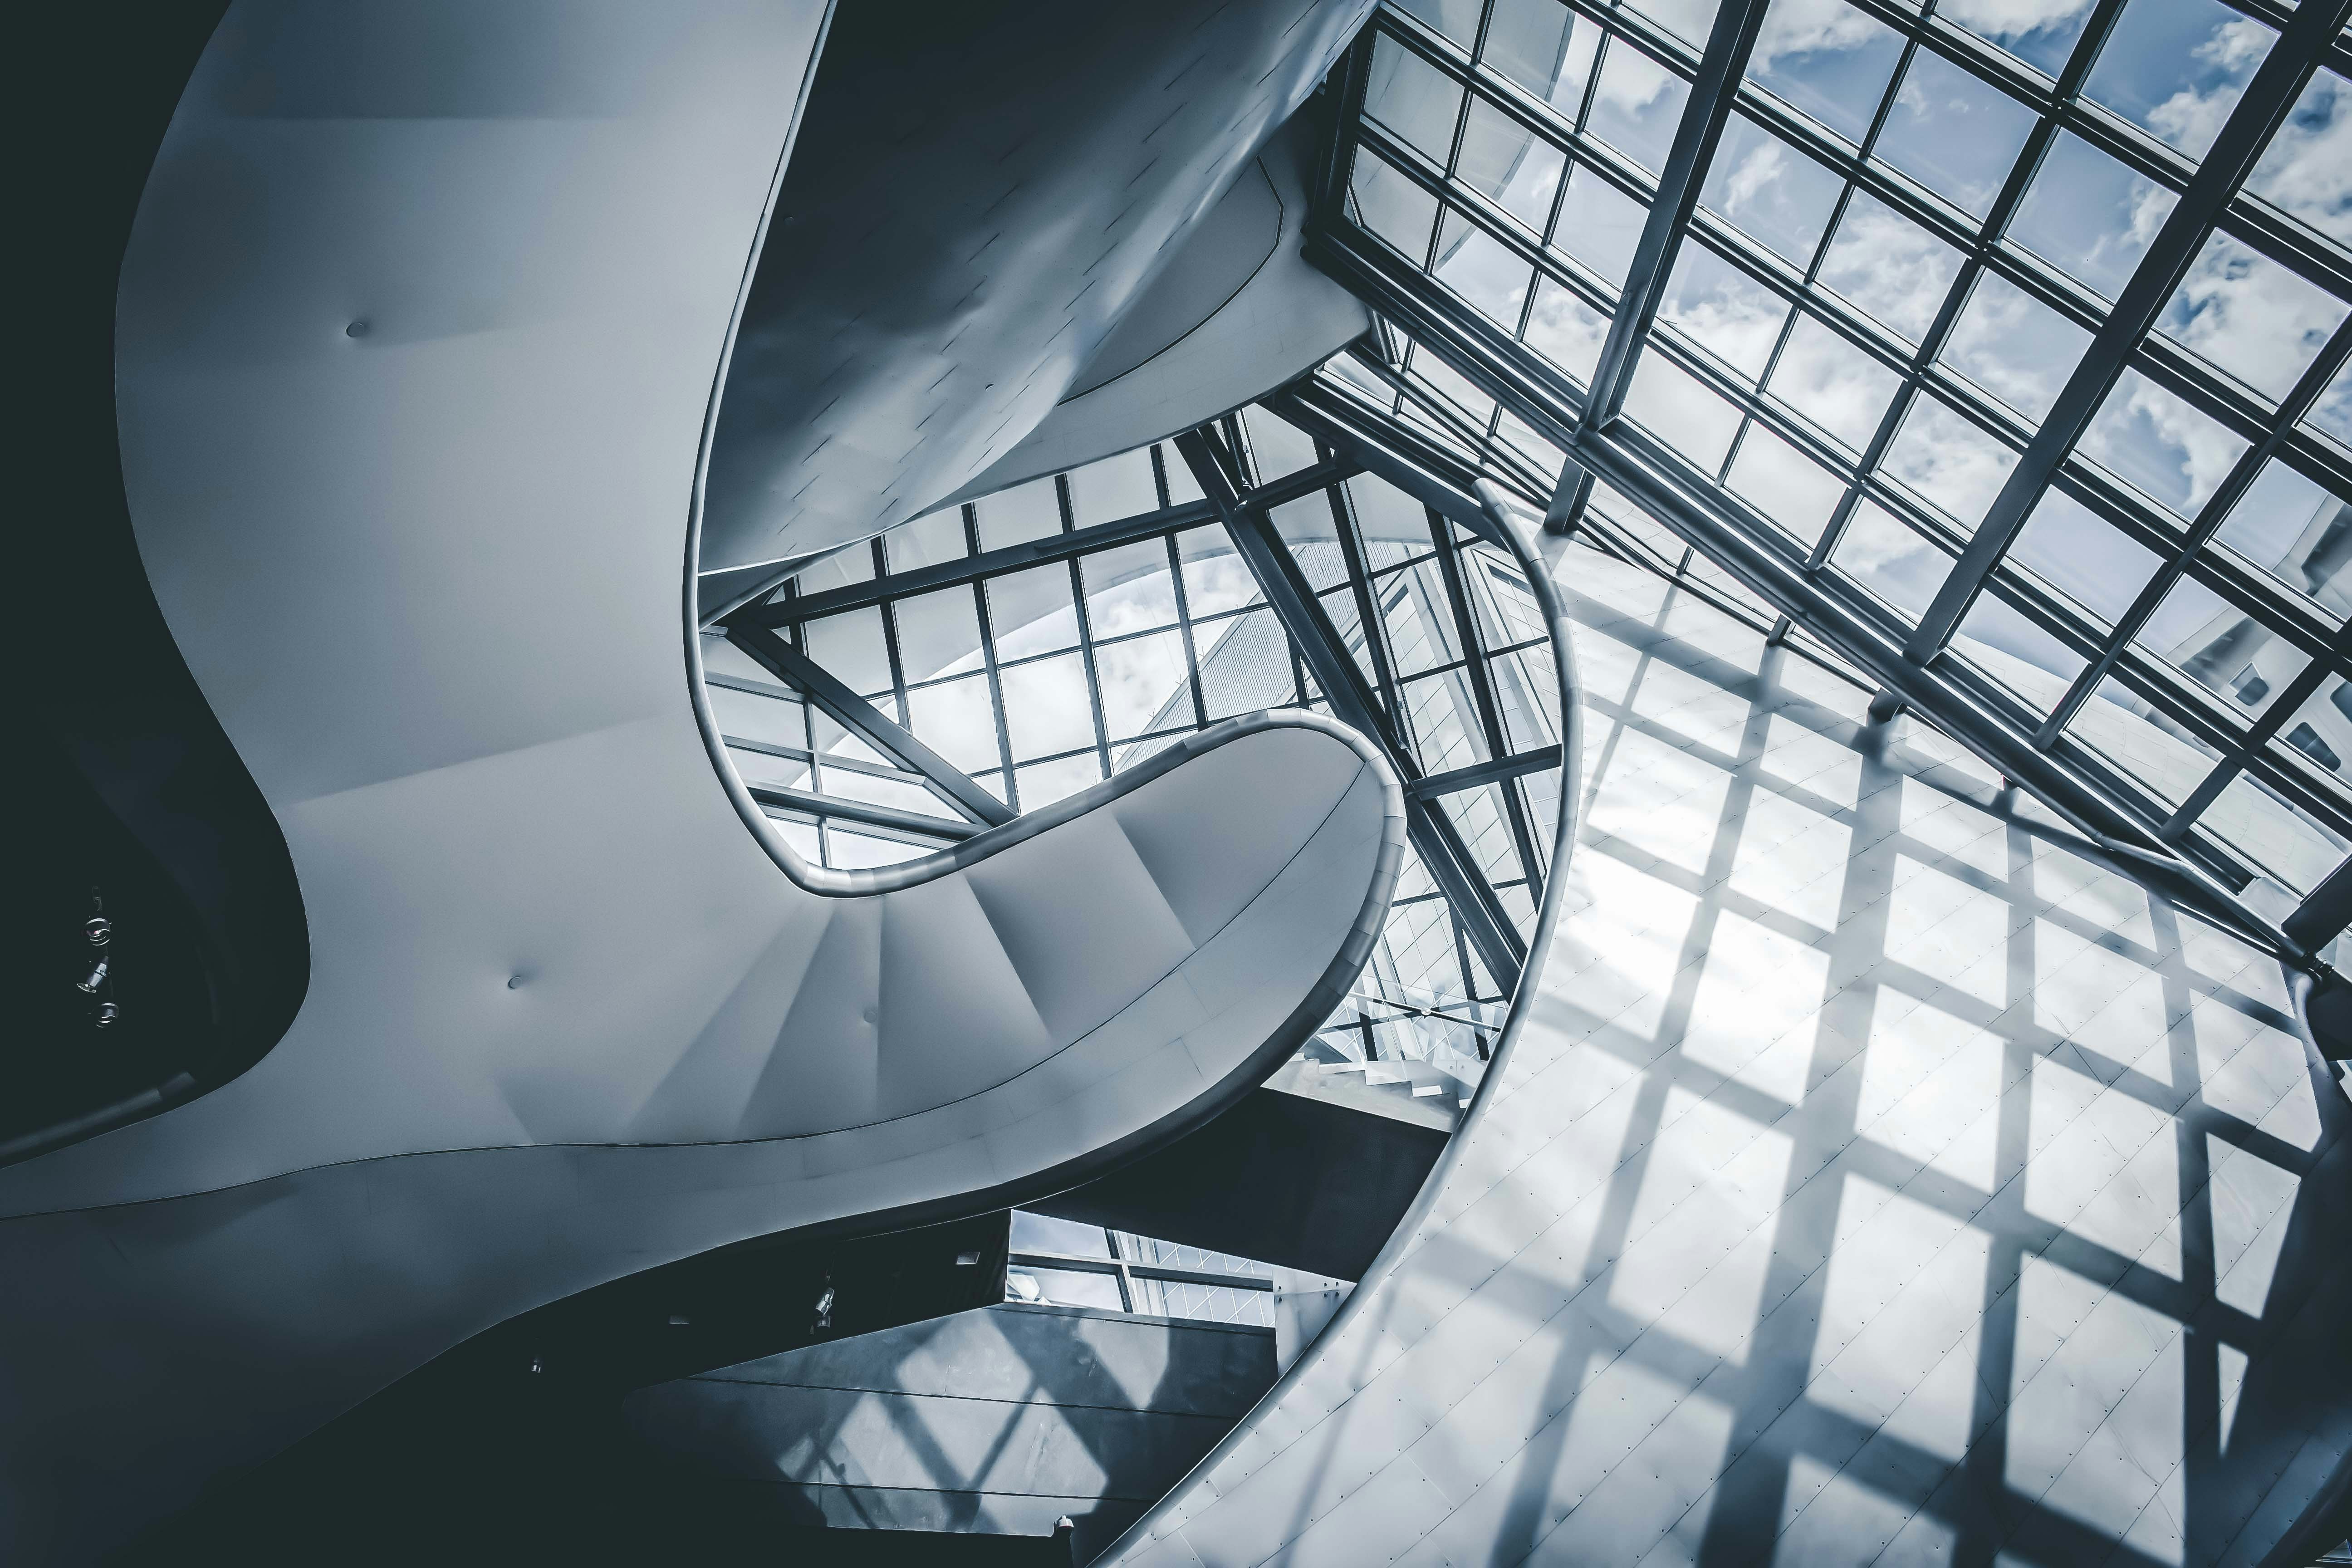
1875	1180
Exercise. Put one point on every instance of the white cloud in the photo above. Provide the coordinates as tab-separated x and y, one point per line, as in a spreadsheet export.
1946	460
1811	26
2009	18
2191	118
2251	316
2308	169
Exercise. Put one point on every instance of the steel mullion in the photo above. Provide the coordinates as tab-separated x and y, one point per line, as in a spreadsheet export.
1184	625
1697	133
1481	685
989	664
1439	847
2209	522
869	723
2268	96
1338	158
1085	626
976	565
1843	631
1368	610
1981	248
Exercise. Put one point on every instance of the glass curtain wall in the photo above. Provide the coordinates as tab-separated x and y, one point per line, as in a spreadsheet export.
1904	247
1037	677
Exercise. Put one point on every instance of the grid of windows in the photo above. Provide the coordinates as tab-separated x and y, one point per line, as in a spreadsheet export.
1074	625
1904	286
1060	1262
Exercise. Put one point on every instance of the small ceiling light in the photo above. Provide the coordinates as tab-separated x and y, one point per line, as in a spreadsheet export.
96	978
967	1259
824	1305
107	1013
100	930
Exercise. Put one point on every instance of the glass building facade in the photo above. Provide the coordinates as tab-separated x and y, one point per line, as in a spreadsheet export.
2012	338
1041	638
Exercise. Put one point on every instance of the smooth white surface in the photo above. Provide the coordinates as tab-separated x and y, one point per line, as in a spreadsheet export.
1874	1181
417	331
1287	319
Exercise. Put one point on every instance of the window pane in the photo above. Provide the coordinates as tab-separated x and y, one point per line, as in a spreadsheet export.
776	720
1392	207
1277	446
2277	837
2042	33
1215	576
800	837
1113	489
2333	412
1312	538
1412	98
1828	59
2032	663
1145	685
1506	161
2089	214
2013	346
1891	560
1129	589
2252	317
1062	1287
1544	48
1457	19
1889	267
760	768
1031	611
1784	484
2320	731
1047	783
939	633
2308	172
1181	486
1046	709
1245	664
1727	311
2083	556
1672	404
926	540
956	719
1599	224
1484	271
2154	751
1636	104
1020	514
902	793
2176	68
2222	649
1947	462
1836	387
1566	331
1953	133
2155	442
1688	20
2297	533
851	851
850	647
1771	191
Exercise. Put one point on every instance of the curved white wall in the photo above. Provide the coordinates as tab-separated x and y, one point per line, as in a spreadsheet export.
418	330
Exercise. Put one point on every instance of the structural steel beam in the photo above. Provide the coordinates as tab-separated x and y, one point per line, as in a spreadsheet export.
1435	838
2275	86
860	717
1625	460
872	815
1728	44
